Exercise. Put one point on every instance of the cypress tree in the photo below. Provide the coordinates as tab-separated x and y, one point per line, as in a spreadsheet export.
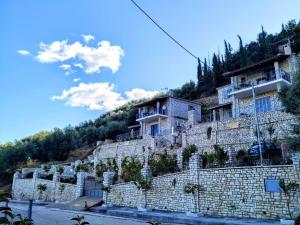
242	53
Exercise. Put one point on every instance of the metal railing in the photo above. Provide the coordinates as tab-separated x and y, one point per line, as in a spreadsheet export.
265	79
128	136
154	112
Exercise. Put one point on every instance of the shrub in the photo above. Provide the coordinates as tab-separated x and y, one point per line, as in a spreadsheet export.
100	169
47	168
46	176
41	189
208	159
163	164
243	158
290	189
220	155
131	169
85	167
61	188
69	180
60	170
187	153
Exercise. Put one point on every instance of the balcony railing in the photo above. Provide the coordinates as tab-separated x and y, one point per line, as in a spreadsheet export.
128	136
265	79
151	113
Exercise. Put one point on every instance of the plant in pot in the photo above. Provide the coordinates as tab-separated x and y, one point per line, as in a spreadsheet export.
107	190
41	189
193	189
143	184
290	190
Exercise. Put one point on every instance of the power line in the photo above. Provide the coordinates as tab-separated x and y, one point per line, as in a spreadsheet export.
165	32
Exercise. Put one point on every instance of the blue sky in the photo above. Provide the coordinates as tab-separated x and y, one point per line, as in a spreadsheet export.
136	59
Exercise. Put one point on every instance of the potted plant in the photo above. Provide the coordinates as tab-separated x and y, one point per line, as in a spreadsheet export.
193	189
290	190
143	184
41	189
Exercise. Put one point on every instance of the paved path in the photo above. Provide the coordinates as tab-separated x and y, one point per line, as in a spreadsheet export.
45	216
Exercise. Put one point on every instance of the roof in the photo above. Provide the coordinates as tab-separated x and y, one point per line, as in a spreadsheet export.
278	57
220	106
155	99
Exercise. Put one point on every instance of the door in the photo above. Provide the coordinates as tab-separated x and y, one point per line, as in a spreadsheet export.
92	188
154	130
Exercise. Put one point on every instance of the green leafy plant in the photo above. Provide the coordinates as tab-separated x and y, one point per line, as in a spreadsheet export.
60	170
131	168
85	167
162	164
208	159
193	189
187	153
100	169
290	189
41	189
220	155
80	220
61	188
47	168
7	217
144	184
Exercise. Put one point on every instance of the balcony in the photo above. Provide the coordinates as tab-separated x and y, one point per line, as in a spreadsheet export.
152	115
262	85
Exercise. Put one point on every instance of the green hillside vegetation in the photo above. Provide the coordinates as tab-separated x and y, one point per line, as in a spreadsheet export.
56	145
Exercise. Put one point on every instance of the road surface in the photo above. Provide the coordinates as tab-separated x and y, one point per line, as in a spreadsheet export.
47	216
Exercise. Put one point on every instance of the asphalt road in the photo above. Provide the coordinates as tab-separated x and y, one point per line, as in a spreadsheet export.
46	216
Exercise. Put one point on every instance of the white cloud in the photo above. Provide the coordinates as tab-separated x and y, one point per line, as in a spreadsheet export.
23	52
76	79
93	59
138	93
78	65
100	96
67	68
88	37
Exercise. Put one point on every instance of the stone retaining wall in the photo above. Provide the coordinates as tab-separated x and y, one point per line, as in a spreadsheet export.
24	189
227	192
238	133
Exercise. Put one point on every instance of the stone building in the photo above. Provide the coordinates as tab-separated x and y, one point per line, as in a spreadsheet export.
164	115
267	77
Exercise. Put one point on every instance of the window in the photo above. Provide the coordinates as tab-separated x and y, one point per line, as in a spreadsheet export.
226	93
263	105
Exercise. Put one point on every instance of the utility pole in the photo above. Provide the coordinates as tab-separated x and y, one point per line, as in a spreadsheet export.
257	124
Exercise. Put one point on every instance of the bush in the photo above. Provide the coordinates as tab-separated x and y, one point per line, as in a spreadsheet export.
100	169
85	167
163	164
69	180
220	155
208	159
187	153
131	169
46	176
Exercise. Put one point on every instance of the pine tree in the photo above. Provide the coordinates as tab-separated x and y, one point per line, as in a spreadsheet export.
265	50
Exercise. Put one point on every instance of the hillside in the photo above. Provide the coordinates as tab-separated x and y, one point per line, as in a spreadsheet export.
73	142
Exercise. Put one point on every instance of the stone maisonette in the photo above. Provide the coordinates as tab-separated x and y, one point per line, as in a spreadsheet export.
266	77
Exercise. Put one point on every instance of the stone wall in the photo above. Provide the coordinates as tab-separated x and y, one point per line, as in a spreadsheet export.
226	192
238	133
24	189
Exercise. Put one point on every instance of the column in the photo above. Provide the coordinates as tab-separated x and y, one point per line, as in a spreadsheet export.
157	107
159	126
214	115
